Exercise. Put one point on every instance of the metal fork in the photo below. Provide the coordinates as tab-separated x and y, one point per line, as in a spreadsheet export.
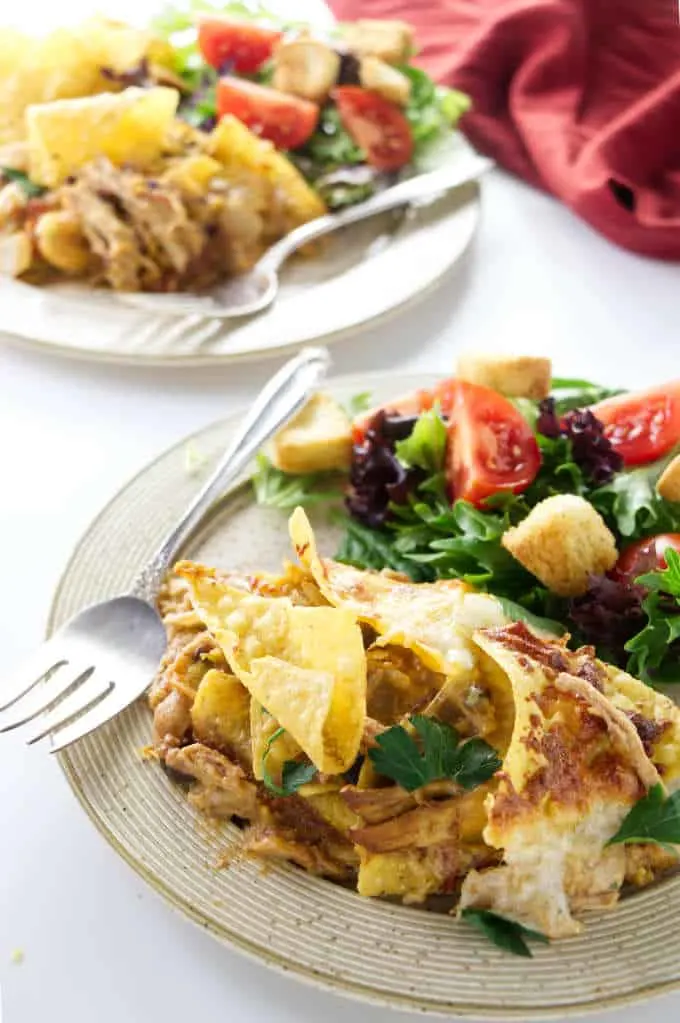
104	658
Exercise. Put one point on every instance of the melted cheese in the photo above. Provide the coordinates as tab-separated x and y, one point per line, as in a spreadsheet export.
305	665
574	768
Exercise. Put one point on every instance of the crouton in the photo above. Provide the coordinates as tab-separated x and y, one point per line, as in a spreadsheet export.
668	484
380	77
306	68
519	376
392	41
562	541
318	438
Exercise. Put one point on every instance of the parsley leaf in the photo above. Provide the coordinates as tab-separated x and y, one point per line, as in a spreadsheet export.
276	489
398	756
294	773
654	818
29	187
506	934
425	447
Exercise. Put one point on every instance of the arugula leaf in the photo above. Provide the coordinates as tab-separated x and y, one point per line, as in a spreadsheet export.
331	145
506	934
558	474
29	187
398	756
520	614
631	506
580	393
358	403
654	818
294	773
425	448
432	110
276	489
374	548
654	650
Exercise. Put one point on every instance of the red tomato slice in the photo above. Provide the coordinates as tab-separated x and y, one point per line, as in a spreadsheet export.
491	448
242	45
411	404
644	426
285	120
646	555
375	124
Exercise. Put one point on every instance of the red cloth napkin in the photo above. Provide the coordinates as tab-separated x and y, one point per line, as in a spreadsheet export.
581	97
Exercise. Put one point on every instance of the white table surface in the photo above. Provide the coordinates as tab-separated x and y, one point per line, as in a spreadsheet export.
97	945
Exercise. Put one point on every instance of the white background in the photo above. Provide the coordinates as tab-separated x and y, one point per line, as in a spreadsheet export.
97	944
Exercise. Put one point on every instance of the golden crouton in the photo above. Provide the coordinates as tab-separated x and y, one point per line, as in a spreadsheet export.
392	41
378	76
306	68
562	541
518	376
318	438
668	485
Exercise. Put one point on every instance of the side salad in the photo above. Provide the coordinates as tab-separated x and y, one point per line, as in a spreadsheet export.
349	108
560	497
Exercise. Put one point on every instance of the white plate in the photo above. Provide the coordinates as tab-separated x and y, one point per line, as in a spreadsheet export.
363	273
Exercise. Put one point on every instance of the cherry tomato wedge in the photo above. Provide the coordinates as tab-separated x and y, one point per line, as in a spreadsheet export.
242	46
643	426
379	127
646	555
411	404
491	446
285	120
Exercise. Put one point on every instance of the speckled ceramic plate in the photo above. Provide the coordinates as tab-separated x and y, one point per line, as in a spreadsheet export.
372	950
361	275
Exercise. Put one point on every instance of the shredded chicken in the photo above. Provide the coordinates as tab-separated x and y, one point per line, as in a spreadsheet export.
416	829
273	843
223	786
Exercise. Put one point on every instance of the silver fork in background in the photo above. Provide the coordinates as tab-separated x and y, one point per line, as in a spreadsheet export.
103	658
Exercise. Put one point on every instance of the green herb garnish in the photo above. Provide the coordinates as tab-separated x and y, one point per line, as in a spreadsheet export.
276	489
506	934
439	755
23	181
294	773
654	818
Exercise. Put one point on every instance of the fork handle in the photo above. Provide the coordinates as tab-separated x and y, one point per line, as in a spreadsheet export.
278	401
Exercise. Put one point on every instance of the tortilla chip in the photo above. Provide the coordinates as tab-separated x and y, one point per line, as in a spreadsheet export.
574	768
435	620
305	665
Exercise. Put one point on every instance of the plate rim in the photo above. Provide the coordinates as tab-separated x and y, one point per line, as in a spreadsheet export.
197	360
353	989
